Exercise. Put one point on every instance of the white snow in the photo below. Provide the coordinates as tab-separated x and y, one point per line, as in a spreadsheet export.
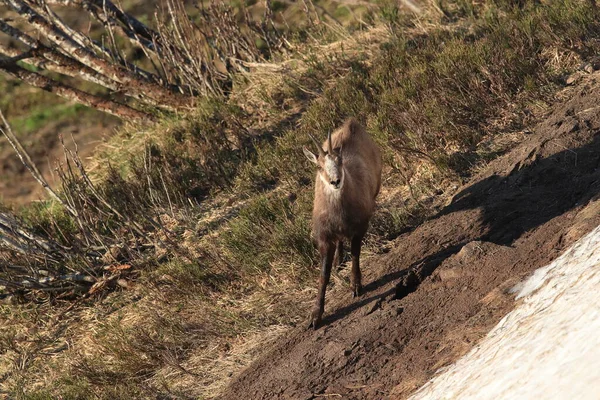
548	347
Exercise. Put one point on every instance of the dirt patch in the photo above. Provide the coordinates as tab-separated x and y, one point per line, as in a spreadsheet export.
17	186
448	282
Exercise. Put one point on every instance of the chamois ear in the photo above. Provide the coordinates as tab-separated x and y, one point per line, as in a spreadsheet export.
310	155
353	126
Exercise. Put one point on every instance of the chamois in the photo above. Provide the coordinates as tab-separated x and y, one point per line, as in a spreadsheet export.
347	182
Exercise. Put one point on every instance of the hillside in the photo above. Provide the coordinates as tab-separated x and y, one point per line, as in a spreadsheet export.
188	233
445	284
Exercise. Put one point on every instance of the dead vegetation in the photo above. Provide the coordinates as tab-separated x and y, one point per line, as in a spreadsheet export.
199	223
138	67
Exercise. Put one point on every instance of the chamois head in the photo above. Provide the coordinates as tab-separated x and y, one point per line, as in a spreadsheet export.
329	163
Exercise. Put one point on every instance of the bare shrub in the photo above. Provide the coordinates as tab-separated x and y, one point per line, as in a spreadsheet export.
139	68
80	242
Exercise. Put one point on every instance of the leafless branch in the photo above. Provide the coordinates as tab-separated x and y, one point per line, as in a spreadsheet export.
189	58
99	103
143	87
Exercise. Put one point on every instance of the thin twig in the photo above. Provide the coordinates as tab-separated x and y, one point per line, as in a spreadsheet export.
29	164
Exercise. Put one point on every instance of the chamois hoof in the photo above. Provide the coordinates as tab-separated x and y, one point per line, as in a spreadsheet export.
356	291
315	320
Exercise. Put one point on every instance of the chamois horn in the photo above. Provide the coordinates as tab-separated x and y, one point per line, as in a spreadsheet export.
321	152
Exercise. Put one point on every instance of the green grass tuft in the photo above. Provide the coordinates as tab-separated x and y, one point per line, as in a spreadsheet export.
270	233
44	115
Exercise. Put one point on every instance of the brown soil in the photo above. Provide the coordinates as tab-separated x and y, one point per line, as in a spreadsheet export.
17	186
449	281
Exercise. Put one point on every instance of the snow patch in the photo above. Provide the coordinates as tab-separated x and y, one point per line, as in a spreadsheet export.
548	347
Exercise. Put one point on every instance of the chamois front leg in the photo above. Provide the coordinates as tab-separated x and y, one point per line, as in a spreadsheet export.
338	258
355	277
326	250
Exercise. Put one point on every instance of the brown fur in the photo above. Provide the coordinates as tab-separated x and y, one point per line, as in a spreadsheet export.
345	214
362	166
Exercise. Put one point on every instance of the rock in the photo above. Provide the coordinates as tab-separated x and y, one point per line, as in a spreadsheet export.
572	79
373	307
448	274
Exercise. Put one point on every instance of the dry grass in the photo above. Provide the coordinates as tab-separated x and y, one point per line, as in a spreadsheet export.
157	336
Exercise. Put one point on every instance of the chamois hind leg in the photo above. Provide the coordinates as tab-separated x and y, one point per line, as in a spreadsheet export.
338	258
326	250
355	277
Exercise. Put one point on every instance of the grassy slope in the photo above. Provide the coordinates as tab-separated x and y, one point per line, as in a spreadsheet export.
434	92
